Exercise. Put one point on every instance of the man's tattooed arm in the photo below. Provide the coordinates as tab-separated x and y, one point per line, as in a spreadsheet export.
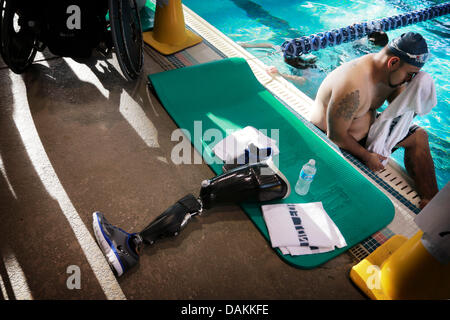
339	119
346	107
340	114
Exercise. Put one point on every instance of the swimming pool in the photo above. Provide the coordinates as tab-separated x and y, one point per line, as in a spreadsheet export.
274	21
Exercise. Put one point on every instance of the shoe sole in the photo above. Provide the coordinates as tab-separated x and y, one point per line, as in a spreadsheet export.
106	246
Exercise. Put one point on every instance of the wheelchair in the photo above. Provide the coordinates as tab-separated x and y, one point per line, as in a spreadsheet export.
71	29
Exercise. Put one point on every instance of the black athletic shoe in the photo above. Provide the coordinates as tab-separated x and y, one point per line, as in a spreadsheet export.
116	244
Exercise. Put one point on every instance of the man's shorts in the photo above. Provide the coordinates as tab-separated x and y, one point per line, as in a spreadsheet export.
411	130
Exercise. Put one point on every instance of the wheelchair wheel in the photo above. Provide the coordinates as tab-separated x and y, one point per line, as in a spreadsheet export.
17	40
127	36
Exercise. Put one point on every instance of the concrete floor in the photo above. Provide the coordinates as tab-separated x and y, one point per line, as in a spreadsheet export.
76	138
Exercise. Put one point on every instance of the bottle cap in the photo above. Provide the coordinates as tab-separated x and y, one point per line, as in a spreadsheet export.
312	162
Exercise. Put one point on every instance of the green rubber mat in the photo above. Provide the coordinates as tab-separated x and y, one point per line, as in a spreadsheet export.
225	95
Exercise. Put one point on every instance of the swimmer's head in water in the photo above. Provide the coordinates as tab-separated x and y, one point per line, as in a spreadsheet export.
301	63
378	38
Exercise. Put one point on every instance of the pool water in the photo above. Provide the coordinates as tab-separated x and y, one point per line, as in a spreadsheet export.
274	21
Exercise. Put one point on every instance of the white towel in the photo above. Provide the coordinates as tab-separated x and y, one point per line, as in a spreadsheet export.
419	97
299	229
234	145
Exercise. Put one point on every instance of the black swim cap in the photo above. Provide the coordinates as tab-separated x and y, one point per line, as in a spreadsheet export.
410	47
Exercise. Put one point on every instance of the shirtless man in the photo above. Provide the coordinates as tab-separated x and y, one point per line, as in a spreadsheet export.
346	103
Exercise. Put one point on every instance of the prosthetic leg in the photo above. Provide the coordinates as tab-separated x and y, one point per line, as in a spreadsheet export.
259	182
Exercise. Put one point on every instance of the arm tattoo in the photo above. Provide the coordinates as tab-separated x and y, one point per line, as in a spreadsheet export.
348	105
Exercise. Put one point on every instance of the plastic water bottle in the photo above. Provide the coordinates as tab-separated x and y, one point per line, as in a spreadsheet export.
306	177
